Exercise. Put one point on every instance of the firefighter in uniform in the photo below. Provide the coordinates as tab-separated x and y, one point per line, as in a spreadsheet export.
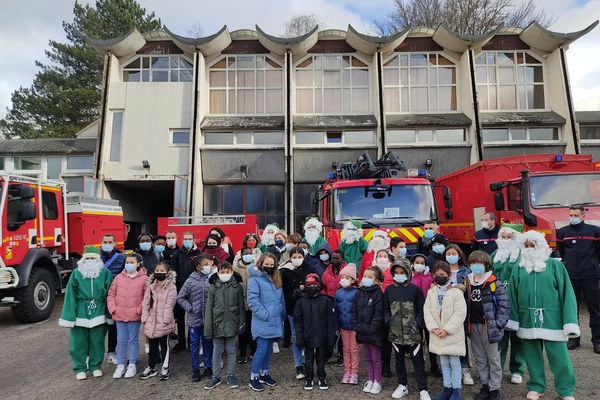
579	246
485	238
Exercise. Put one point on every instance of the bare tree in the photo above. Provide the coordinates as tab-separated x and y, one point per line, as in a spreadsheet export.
300	25
472	17
195	31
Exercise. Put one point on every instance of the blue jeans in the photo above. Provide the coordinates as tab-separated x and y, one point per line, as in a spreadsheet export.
298	358
451	371
262	357
127	336
196	334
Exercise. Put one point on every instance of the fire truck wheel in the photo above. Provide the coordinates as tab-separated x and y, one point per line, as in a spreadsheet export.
36	300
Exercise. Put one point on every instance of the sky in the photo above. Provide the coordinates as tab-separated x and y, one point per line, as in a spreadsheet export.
26	26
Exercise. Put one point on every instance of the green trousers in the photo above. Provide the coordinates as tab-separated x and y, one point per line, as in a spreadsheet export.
517	362
559	361
87	342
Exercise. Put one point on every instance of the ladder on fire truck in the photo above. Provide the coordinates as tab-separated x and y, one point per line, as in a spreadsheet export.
388	166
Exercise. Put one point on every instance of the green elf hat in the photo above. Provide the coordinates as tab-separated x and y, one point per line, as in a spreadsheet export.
91	252
356	223
515	227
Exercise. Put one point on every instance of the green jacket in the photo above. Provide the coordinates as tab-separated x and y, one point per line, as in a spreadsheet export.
542	304
353	253
315	247
225	314
503	270
85	300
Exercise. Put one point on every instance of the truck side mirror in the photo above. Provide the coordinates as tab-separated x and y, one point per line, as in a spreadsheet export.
447	197
499	201
27	212
26	192
496	186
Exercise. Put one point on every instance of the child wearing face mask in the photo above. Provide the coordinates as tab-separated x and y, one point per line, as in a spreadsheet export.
444	312
145	248
398	247
487	315
322	259
212	246
192	298
124	302
368	316
224	320
343	302
438	246
245	340
315	326
158	319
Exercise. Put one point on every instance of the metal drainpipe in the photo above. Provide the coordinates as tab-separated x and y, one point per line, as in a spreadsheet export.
381	110
570	101
194	130
478	135
103	114
288	133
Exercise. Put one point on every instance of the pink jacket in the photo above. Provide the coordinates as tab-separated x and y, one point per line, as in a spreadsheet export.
422	280
388	279
125	296
331	282
158	317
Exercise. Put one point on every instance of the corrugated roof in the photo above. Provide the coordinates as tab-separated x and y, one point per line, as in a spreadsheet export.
47	146
420	120
521	118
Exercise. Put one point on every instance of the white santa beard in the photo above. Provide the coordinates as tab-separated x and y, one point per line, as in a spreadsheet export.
90	271
350	236
533	259
508	249
267	239
377	243
311	236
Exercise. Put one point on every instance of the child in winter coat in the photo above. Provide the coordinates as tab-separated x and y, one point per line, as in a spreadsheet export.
158	318
224	320
246	344
192	298
488	312
367	317
445	311
125	305
315	325
212	246
404	314
344	300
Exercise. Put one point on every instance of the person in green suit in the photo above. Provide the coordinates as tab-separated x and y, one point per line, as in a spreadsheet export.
353	244
313	229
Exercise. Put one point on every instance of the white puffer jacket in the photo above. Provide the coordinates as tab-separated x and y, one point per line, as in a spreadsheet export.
451	319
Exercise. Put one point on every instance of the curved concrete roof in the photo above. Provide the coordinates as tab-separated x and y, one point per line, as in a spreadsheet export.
207	45
541	38
297	45
369	44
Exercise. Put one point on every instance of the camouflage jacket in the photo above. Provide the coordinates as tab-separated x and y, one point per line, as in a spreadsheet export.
404	313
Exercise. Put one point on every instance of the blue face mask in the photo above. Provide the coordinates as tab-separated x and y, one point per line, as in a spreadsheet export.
107	248
438	248
429	233
206	270
324	257
145	246
452	259
402	252
367	282
478	269
159	248
400	278
574	220
188	244
130	267
288	246
247	258
279	243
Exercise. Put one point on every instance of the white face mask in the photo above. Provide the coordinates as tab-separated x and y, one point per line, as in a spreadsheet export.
383	262
305	252
419	268
344	282
225	277
485	224
296	262
171	242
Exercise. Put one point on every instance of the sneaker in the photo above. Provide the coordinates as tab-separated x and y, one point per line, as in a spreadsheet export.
148	373
467	379
516	379
256	385
353	380
112	358
147	348
243	360
165	374
119	372
346	378
300	373
339	362
232	382
368	386
131	371
212	383
400	392
573	343
275	348
376	388
308	385
568	398
484	393
196	377
208	372
323	384
97	373
424	395
495	395
80	376
533	395
267	380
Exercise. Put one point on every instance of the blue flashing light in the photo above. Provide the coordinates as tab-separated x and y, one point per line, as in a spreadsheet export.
558	157
422	172
331	175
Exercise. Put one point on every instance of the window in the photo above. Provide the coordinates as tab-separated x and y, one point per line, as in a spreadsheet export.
181	138
116	137
243	138
158	69
509	81
303	205
264	201
585	132
49	205
417	82
427	136
246	85
54	167
1	163
335	138
520	134
79	163
332	84
514	197
28	163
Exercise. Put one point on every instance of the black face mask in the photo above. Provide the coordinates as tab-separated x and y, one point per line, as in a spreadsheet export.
441	280
336	263
312	291
160	276
211	246
269	270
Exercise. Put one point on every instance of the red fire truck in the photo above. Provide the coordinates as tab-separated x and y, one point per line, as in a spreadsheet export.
533	190
380	194
43	231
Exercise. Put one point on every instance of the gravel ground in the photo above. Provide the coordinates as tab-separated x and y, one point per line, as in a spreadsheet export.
35	364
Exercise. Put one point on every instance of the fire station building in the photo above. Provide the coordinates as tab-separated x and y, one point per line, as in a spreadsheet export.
245	122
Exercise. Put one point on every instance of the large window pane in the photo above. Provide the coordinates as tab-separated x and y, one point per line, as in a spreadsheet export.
310	137
391	99
218	138
80	162
54	167
273	138
358	137
332	99
586	132
217	101
275	199
304	99
450	135
181	137
255	199
508	98
213	199
418	99
495	135
274	98
116	136
233	199
404	136
360	100
543	134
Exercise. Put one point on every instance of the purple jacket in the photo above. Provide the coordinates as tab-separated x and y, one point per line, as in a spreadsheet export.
193	297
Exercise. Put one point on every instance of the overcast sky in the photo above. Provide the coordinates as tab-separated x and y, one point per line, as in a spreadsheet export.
27	25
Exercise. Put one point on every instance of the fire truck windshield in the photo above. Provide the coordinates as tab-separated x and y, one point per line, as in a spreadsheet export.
393	205
565	190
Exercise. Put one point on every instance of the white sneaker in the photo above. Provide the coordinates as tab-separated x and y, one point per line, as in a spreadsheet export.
467	379
80	376
400	392
516	379
147	348
131	371
97	373
119	371
112	358
368	386
376	389
424	395
275	348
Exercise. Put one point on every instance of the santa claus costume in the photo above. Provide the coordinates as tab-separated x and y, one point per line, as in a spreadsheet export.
268	237
380	241
544	315
353	245
312	235
85	312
